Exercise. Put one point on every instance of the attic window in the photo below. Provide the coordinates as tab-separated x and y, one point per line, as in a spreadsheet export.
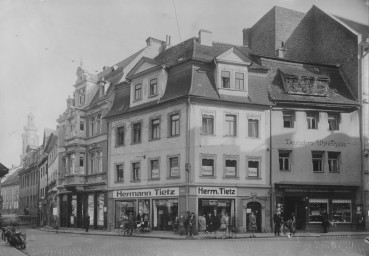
306	85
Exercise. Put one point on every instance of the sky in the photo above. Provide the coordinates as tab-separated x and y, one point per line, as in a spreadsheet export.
42	42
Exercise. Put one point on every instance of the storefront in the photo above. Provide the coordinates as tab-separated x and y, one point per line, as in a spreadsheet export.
312	203
158	205
74	206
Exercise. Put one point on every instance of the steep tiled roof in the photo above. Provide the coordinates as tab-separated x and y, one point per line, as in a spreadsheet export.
121	101
359	28
3	170
12	179
338	91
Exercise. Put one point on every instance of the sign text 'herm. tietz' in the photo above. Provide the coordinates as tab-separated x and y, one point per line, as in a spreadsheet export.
152	192
217	191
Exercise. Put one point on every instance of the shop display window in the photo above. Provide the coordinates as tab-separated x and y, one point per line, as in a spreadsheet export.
341	211
100	209
165	212
317	207
123	208
221	206
91	204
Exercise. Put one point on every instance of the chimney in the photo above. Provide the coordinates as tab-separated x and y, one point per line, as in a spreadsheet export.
150	41
205	37
167	44
281	51
246	37
102	84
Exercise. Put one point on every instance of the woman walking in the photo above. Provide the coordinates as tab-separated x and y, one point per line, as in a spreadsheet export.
252	224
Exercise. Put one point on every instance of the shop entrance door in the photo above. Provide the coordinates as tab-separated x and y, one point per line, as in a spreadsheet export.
256	208
296	205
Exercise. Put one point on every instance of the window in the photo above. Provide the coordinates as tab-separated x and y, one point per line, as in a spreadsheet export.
253	168
173	167
174	125
239	81
207	166
92	163
284	160
288	119
230	168
99	161
81	126
98	124
82	96
136	133
253	125
136	171
317	208
154	169
81	161
333	121
120	136
341	210
312	120
207	124
317	158
153	87
138	92
155	129
333	161
92	126
225	79
119	174
230	125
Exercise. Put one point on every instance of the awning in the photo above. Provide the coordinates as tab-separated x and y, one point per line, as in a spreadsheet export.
320	187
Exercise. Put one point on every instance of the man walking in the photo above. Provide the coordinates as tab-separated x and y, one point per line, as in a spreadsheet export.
87	222
277	223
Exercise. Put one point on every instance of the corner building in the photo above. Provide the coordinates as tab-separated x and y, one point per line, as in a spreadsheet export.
188	133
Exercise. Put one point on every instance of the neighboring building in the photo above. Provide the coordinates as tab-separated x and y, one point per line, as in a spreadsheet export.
189	133
3	171
317	37
10	191
315	154
82	188
48	178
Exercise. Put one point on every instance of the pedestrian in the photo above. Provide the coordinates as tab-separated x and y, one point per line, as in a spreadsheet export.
252	224
293	224
277	223
216	222
191	225
181	227
87	222
325	222
202	226
223	225
187	219
175	225
132	223
209	225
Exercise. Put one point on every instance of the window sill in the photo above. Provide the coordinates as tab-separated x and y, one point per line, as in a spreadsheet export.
285	170
119	182
156	179
253	178
153	95
154	139
137	100
135	181
173	178
173	136
208	134
119	146
135	143
254	138
335	172
232	89
208	177
231	136
318	172
231	178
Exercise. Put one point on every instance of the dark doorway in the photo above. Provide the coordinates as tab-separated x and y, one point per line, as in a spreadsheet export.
256	208
296	205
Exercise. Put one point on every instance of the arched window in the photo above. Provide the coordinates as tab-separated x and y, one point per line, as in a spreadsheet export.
98	124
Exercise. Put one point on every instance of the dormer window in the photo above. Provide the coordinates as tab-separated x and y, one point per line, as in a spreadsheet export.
153	86
226	79
138	91
239	81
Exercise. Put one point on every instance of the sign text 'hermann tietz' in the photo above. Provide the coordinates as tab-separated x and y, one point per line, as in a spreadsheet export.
154	192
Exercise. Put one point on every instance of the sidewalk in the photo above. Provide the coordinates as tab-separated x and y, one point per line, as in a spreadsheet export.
172	235
7	250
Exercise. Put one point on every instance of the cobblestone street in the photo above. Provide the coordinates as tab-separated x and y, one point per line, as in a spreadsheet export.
43	243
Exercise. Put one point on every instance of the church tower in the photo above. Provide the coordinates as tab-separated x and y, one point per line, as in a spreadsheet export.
30	136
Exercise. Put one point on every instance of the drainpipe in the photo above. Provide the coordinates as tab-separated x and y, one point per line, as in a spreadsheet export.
187	164
270	169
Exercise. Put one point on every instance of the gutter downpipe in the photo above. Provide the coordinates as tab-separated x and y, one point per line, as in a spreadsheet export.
270	169
187	165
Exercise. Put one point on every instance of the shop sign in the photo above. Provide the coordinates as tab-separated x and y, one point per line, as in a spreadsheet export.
95	188
155	174
151	192
207	170
217	191
319	143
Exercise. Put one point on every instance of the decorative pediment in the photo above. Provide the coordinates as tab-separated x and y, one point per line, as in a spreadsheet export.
233	56
143	65
305	84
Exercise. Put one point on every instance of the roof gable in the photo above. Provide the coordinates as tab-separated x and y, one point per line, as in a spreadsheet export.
142	65
233	56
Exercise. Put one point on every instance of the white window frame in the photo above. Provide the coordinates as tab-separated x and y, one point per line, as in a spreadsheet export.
207	115
334	160
334	119
252	118
312	119
250	172
214	171
116	172
226	171
150	160
322	153
227	126
135	178
169	175
289	159
289	115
